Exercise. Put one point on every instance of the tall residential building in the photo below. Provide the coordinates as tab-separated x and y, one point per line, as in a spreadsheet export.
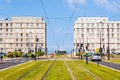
23	33
93	32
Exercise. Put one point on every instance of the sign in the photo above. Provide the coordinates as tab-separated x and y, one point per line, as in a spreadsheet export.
97	50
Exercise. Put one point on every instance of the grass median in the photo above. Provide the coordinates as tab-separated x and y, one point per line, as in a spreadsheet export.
58	72
102	72
79	72
38	73
15	72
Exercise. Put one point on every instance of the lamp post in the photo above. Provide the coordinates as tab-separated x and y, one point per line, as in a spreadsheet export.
36	48
100	50
108	48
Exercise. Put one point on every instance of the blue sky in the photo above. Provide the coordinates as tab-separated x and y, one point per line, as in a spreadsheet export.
59	26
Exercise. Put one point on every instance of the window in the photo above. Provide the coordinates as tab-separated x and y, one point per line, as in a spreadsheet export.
82	24
11	34
21	24
102	30
11	24
87	24
97	34
21	40
98	29
0	39
112	24
21	45
102	34
0	29
6	24
26	34
32	45
77	31
17	45
112	30
0	24
92	24
16	40
6	34
102	40
11	30
11	44
6	29
112	35
27	40
0	34
117	30
82	30
117	24
82	35
41	44
37	25
27	44
87	30
21	34
92	30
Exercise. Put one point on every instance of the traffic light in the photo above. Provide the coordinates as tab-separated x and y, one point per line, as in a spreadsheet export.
79	50
100	50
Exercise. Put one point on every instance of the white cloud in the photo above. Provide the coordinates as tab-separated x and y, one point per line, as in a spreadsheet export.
72	3
111	5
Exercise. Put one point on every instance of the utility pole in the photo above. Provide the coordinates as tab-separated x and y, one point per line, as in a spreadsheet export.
108	49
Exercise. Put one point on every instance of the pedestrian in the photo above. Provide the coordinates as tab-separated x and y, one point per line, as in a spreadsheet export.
1	57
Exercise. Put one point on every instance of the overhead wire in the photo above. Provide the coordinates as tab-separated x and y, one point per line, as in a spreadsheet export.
75	8
48	19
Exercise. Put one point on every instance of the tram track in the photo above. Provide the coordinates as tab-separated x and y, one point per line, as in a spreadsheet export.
48	69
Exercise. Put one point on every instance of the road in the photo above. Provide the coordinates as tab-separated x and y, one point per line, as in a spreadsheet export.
112	65
11	62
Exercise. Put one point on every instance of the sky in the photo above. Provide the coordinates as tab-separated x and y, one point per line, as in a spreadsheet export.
60	16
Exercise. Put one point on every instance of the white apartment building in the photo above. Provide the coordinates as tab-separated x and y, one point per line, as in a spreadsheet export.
93	31
23	33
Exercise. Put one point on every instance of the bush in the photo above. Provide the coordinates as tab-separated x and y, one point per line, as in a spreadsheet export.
10	54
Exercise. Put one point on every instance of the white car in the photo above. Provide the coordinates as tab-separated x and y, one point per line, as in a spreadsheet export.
96	57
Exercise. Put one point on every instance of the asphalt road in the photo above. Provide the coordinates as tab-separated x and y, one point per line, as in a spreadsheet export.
112	65
12	62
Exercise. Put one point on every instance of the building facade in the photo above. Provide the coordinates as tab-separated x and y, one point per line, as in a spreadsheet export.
92	33
23	33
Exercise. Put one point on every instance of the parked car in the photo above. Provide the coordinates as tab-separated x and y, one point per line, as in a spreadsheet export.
96	57
2	54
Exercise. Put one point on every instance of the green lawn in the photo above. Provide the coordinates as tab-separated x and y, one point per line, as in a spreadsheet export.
114	61
15	72
102	72
38	73
58	72
80	72
35	70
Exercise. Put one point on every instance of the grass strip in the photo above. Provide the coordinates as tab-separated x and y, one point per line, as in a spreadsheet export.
15	72
38	73
103	72
58	72
79	72
113	61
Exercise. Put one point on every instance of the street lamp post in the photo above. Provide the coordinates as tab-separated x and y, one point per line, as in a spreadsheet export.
108	48
36	48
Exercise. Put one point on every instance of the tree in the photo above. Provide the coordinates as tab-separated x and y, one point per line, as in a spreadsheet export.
10	54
